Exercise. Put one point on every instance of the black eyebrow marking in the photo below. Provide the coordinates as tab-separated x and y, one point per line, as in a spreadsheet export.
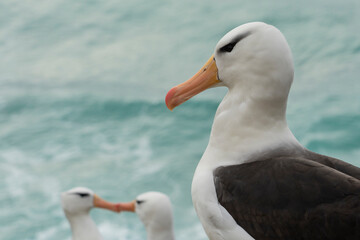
241	36
82	194
229	47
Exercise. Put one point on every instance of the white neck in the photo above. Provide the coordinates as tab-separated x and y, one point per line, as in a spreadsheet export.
244	126
83	227
160	232
242	129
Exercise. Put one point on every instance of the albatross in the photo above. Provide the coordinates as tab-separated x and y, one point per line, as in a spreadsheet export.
255	180
155	212
77	203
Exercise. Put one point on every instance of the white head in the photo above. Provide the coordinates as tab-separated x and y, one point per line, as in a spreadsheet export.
77	203
155	211
253	58
81	200
154	208
77	200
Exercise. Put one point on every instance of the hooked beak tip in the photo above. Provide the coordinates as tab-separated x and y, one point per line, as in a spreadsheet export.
169	97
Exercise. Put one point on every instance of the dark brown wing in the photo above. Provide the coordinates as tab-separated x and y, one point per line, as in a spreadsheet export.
290	198
335	163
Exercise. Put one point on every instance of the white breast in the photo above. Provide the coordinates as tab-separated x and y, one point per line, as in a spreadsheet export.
217	222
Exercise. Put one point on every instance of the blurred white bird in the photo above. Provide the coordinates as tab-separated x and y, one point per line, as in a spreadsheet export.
155	211
77	204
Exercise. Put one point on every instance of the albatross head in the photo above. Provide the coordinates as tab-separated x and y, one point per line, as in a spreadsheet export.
154	207
77	203
155	212
254	59
80	200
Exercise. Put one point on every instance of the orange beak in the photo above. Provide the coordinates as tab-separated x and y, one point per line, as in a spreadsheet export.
128	207
101	203
205	78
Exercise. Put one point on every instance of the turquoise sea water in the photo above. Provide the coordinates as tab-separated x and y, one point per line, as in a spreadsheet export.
82	87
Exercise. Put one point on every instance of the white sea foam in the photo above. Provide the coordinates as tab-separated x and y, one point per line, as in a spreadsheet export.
112	231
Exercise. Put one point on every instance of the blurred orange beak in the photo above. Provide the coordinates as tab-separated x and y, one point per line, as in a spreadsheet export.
101	203
202	80
128	207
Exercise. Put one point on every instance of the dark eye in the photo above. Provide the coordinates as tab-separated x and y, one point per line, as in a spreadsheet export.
228	47
139	202
82	194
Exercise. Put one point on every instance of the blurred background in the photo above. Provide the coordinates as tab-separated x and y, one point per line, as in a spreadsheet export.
82	88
